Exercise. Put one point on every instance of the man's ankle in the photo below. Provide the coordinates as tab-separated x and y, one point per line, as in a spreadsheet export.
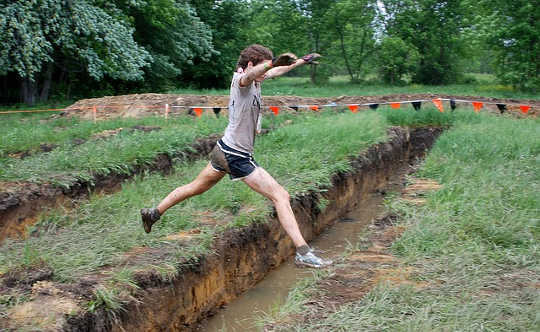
302	250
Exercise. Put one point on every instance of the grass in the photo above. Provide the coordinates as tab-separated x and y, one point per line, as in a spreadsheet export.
302	156
475	242
119	153
341	85
26	132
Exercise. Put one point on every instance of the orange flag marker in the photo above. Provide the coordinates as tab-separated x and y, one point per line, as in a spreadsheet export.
198	111
395	105
314	108
274	109
438	104
353	108
524	108
477	106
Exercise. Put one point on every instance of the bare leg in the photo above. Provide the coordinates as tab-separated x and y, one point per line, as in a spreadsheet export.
206	179
266	185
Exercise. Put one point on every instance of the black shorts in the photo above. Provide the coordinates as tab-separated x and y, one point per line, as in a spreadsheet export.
237	163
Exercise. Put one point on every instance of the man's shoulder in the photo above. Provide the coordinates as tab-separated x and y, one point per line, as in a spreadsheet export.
235	84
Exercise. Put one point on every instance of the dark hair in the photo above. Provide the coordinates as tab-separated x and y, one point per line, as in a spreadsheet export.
255	53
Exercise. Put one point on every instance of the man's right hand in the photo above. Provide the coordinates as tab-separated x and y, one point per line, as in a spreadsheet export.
285	59
310	58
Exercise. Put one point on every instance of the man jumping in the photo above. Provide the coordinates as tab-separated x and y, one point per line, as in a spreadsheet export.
233	153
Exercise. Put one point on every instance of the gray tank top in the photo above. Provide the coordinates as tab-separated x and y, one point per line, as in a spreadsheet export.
244	113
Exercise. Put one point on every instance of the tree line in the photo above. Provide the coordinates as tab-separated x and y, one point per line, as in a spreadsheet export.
76	48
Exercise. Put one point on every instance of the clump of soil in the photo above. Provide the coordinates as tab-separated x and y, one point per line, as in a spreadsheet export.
24	278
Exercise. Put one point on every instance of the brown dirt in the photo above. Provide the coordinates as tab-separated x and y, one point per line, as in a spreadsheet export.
139	105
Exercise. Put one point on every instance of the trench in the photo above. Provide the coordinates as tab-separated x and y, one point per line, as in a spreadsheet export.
21	204
243	313
258	256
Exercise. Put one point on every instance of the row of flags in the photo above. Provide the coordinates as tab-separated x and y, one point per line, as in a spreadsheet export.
199	110
417	105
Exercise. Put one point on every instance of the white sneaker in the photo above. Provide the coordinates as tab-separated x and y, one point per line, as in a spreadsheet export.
311	260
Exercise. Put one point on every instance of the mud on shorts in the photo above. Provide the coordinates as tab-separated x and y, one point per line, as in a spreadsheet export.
238	164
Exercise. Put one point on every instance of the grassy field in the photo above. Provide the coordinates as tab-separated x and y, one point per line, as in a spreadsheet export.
341	86
486	160
475	242
79	154
302	156
119	153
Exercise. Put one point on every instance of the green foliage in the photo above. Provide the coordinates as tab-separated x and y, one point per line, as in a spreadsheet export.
395	58
38	37
105	298
174	35
25	133
229	21
433	27
351	21
34	32
512	30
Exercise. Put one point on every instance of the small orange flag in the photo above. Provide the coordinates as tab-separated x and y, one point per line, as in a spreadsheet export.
395	105
274	109
477	106
438	104
198	111
524	108
314	108
353	108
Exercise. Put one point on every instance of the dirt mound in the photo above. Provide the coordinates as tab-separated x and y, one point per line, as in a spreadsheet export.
139	105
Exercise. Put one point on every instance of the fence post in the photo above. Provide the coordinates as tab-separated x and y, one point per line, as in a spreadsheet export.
166	111
94	111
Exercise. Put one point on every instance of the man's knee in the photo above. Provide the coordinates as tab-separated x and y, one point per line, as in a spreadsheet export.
281	195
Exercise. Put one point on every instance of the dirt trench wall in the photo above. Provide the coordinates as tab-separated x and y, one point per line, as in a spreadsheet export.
242	257
22	203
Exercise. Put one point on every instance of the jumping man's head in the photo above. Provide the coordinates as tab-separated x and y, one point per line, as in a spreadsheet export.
255	54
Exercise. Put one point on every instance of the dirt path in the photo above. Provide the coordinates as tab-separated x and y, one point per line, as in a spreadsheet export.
139	105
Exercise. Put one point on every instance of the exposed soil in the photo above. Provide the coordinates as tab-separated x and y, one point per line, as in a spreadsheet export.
139	105
22	202
240	258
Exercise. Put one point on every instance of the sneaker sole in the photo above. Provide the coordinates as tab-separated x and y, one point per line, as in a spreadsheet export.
147	227
302	264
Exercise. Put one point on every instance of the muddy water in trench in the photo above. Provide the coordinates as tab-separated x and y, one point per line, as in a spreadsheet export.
243	312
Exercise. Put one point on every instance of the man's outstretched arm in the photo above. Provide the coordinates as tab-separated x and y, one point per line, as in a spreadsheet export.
278	71
252	73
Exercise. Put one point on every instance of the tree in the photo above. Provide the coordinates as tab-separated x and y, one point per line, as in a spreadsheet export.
512	30
434	27
396	58
174	35
36	34
351	21
229	22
